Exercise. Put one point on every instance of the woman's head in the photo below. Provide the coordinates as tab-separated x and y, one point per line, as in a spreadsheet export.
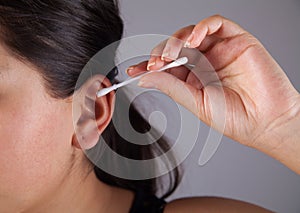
59	36
44	46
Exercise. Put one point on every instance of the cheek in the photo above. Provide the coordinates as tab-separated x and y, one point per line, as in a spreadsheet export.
35	147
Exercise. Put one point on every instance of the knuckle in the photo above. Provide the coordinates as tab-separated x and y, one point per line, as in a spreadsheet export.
217	16
190	26
187	29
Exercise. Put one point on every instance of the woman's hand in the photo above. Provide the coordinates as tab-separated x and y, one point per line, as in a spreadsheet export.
259	96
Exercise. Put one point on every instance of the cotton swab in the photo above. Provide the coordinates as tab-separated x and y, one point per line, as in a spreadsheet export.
176	63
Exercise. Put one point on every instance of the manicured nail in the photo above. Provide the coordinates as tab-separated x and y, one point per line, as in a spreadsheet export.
187	44
146	84
129	70
189	40
150	64
165	55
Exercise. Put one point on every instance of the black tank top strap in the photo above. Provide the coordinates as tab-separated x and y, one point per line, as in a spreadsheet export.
145	203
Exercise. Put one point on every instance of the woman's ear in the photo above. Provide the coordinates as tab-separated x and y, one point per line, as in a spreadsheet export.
91	115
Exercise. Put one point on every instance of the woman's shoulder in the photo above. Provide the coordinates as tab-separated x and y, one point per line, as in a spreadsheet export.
148	203
211	204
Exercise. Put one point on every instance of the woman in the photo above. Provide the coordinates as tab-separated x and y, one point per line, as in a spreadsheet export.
44	46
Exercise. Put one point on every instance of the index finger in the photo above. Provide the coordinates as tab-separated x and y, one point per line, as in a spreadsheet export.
180	72
162	53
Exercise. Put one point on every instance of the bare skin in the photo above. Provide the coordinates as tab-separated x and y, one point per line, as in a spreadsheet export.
262	106
211	204
43	168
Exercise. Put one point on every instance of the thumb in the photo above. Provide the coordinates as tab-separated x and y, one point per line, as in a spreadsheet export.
181	92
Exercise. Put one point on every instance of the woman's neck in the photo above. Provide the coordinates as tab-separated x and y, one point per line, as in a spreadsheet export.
87	195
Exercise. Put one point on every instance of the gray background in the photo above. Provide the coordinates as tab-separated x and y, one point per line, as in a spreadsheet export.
235	171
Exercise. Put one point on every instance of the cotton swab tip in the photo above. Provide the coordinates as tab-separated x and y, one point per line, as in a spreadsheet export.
176	63
104	91
182	61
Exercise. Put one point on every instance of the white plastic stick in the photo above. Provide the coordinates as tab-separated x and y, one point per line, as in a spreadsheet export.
176	63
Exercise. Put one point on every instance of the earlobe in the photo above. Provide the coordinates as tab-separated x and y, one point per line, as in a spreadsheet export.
93	114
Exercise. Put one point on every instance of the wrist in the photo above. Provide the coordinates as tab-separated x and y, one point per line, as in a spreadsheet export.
281	140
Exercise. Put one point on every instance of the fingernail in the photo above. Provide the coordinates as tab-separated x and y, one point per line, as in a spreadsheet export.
145	84
189	40
150	64
165	55
187	44
129	70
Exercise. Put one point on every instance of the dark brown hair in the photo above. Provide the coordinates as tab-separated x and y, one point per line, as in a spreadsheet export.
59	37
